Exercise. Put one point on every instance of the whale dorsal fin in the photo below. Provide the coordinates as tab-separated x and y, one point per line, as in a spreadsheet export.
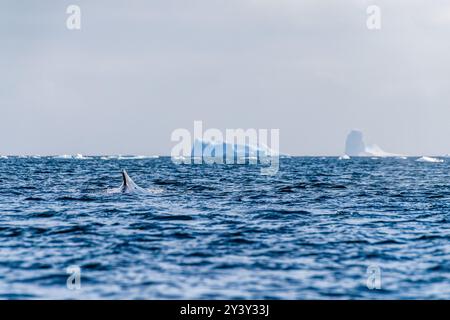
125	178
128	186
127	183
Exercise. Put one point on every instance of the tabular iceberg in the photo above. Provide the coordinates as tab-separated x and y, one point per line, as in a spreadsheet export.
430	159
223	149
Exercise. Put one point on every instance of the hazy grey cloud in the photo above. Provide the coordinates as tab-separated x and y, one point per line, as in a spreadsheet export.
137	70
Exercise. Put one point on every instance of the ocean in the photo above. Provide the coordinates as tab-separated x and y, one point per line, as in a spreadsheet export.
316	230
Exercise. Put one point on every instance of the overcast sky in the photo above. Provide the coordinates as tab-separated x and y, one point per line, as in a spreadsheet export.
137	70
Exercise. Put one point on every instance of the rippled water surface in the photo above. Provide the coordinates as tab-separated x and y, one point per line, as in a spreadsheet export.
225	232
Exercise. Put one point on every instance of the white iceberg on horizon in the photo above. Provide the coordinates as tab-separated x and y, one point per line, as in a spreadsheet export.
136	157
429	159
356	147
77	156
344	157
127	157
220	149
63	156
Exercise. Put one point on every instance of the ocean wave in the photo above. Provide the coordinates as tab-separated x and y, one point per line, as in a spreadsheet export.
316	219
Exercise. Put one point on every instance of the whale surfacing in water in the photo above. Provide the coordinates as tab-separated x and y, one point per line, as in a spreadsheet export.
128	185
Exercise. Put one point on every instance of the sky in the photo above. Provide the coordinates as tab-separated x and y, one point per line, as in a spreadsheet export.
138	70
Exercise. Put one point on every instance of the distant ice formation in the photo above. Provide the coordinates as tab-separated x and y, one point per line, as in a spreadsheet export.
430	159
220	149
127	157
344	157
356	147
63	156
77	156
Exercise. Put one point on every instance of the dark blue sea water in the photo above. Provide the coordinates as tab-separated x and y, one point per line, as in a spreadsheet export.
225	231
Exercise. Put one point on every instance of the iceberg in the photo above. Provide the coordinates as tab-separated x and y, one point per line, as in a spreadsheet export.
63	156
344	157
127	157
77	156
203	148
138	157
430	159
356	147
